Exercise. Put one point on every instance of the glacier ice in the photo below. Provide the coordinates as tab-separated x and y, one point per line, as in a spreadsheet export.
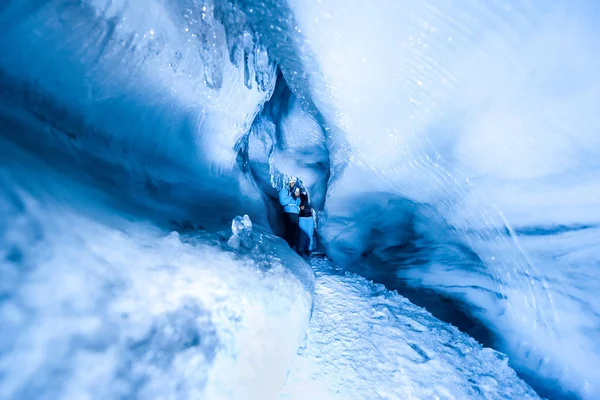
450	146
100	304
361	334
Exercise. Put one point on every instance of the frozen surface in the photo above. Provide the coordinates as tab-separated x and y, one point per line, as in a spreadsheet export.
149	98
100	304
365	342
453	146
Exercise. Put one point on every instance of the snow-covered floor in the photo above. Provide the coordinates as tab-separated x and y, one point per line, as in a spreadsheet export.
98	304
365	342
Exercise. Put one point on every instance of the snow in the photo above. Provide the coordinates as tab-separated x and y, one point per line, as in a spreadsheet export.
365	342
96	303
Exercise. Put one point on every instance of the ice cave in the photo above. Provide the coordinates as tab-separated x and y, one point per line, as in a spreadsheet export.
451	149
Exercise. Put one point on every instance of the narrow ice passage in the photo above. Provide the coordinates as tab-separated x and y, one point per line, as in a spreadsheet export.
365	342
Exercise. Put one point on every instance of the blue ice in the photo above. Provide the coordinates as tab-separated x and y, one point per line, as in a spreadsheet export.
451	152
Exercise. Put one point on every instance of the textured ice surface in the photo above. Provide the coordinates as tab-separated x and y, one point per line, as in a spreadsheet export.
96	303
150	98
365	342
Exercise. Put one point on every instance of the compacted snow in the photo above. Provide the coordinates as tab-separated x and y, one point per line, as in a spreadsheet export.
365	342
96	303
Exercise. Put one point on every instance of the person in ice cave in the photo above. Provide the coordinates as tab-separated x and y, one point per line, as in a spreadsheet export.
306	224
289	198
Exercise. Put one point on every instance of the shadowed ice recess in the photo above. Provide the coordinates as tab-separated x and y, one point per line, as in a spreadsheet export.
450	147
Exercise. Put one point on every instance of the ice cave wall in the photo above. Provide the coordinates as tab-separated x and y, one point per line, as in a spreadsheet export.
119	126
148	102
472	125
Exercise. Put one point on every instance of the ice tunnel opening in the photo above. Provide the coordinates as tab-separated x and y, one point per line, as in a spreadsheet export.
285	140
280	144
